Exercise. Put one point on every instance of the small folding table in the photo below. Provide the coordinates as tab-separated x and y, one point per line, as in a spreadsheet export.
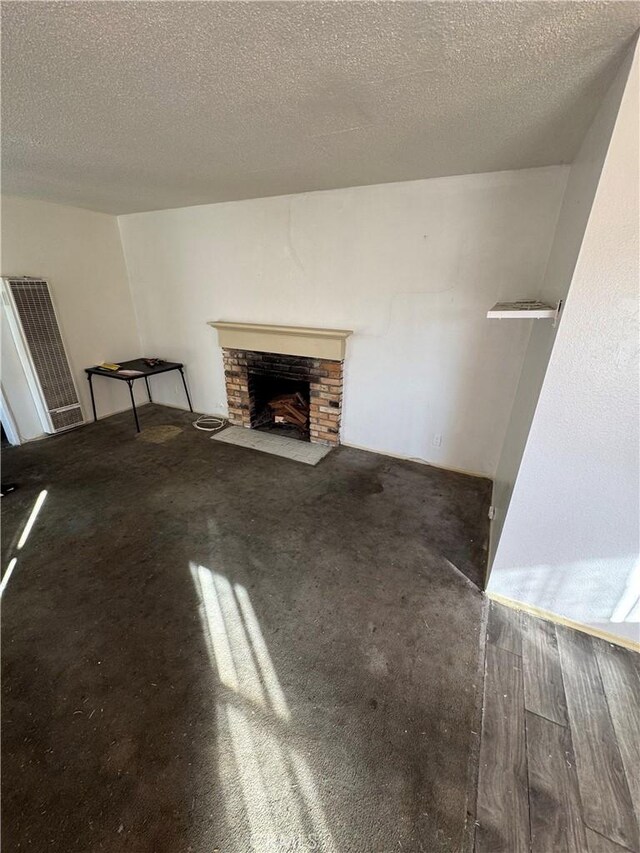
145	372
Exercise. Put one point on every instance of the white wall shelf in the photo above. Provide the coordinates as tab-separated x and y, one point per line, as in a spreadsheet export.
529	309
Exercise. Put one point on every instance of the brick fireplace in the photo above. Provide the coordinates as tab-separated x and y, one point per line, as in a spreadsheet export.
244	368
263	361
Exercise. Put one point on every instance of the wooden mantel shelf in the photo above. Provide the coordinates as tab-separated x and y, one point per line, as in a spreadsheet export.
289	340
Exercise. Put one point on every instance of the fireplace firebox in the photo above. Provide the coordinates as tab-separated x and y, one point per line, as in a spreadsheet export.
280	404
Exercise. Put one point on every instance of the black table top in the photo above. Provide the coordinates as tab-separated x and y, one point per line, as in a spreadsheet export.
135	364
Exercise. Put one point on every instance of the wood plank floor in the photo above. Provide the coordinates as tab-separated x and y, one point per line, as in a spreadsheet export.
560	742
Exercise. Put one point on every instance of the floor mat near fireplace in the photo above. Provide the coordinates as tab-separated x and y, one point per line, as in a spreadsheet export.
277	445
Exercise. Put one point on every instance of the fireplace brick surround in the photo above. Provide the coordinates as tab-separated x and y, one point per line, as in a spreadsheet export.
325	384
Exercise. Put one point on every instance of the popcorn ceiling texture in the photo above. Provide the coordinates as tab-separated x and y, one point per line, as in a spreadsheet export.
125	107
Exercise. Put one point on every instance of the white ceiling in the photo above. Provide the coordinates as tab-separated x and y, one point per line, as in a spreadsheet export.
135	106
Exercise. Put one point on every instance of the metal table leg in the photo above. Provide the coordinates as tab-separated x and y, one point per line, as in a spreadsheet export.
133	403
186	390
146	382
93	401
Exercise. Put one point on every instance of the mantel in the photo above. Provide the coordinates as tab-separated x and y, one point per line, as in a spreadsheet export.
289	340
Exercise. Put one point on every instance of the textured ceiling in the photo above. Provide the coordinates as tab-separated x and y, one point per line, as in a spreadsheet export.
135	106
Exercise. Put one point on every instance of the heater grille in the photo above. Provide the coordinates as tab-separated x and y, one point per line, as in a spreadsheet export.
35	311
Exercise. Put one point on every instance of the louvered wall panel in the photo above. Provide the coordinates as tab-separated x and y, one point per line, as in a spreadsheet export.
42	336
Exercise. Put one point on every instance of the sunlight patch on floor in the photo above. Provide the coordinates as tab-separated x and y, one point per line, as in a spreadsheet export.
280	800
7	574
32	518
23	539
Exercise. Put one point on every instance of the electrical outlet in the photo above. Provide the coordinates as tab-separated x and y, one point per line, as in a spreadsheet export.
492	512
436	441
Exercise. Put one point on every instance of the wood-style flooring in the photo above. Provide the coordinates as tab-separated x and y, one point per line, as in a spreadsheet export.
560	741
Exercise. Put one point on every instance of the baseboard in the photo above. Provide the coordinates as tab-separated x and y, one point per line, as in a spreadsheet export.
185	409
85	422
563	620
40	437
102	417
170	406
414	459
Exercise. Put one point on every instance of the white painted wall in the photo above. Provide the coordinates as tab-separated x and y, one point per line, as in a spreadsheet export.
79	252
411	267
572	222
570	539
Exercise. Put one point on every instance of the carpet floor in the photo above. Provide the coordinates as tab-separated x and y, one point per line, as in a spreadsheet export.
207	648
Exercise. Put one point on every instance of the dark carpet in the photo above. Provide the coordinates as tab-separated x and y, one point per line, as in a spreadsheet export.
207	648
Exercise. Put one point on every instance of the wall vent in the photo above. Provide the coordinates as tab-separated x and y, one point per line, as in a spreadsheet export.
35	328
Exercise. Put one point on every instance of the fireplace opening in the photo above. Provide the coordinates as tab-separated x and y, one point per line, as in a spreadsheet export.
280	405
